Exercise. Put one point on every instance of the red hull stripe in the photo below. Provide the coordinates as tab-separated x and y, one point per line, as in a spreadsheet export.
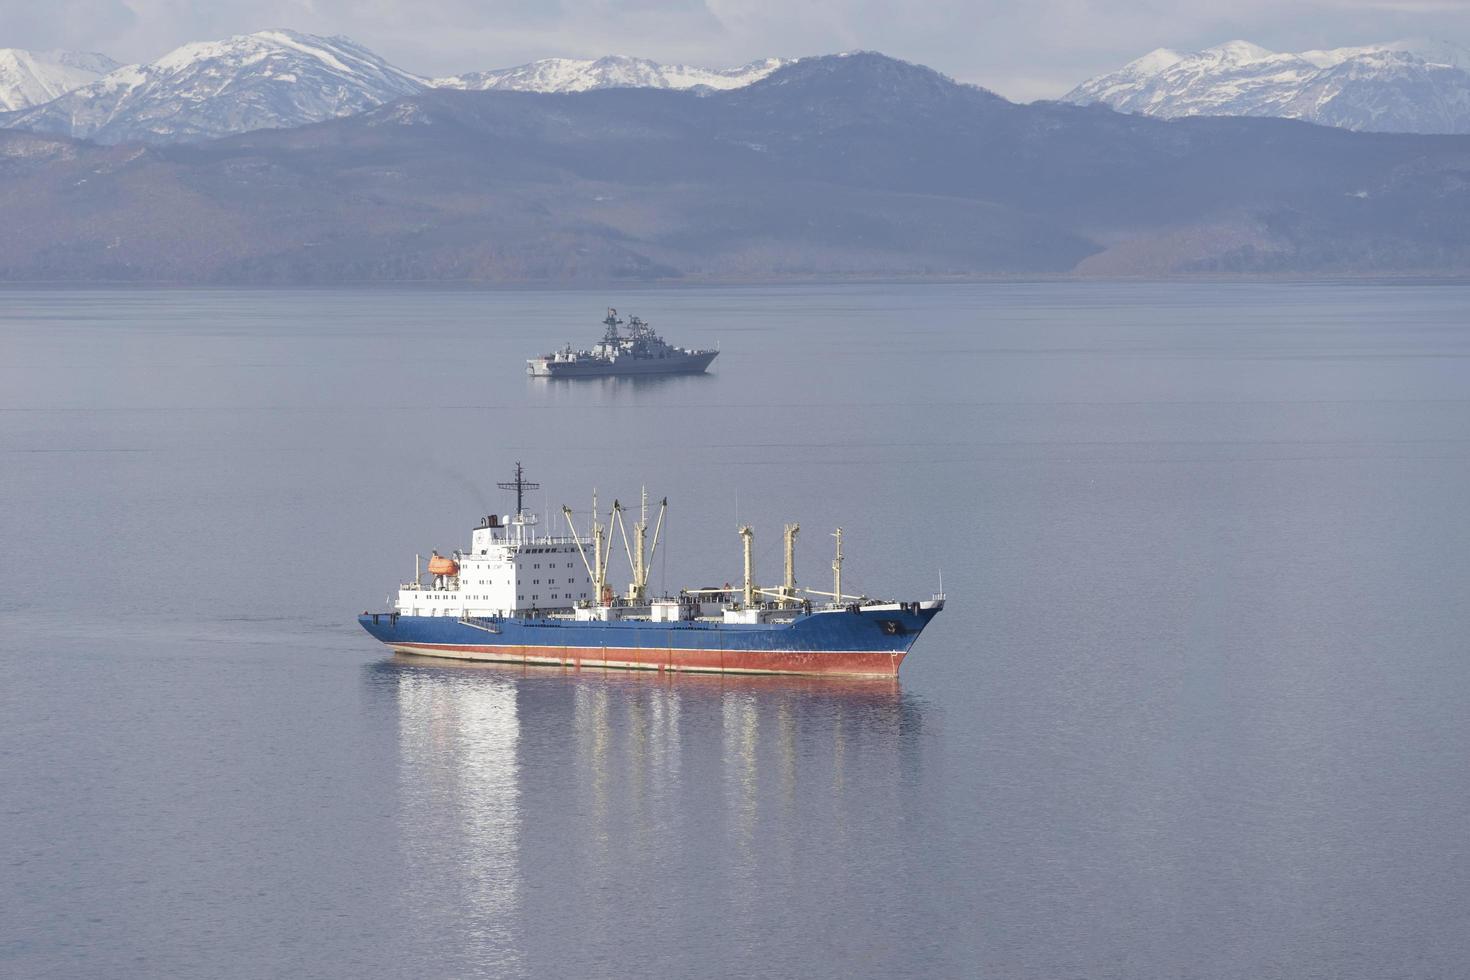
860	663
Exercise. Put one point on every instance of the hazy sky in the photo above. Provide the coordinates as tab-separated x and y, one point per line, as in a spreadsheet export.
1023	49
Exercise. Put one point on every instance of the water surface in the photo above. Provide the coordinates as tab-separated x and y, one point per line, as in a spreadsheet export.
1196	708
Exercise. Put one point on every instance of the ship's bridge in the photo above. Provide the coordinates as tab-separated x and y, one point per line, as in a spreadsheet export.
509	569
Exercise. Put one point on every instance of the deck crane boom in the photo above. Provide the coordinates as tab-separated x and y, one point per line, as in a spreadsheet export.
640	558
597	567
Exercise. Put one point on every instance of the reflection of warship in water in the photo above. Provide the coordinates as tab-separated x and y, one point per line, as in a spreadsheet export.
637	352
521	596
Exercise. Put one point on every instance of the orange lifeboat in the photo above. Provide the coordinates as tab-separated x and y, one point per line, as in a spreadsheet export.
439	565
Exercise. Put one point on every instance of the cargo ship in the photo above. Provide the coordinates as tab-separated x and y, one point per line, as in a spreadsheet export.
639	351
523	595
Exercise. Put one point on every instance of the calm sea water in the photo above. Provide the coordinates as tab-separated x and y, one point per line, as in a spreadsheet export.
1197	707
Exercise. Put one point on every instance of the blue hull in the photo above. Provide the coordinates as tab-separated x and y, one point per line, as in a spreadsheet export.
863	643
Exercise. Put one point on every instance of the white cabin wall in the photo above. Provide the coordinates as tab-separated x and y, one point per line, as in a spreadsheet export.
506	580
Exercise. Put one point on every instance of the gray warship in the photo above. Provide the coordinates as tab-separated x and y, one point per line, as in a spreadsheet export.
637	351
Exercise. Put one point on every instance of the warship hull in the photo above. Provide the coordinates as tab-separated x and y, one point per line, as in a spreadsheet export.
546	367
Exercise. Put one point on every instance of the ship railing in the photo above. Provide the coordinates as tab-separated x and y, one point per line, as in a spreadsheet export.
551	539
489	624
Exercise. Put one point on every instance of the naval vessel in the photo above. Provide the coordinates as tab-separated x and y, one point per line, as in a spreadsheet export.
636	351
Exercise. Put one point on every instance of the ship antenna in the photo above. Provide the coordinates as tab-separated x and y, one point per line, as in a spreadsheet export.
520	486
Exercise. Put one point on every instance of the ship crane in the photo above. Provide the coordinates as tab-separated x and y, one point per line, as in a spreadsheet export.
836	594
601	550
641	559
747	540
788	587
787	594
837	569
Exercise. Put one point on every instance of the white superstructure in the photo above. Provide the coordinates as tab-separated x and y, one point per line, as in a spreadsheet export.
510	568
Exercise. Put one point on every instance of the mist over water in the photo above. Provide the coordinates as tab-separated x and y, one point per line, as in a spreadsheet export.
1195	707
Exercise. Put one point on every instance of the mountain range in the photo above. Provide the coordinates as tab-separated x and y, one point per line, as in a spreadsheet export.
278	79
1403	87
857	165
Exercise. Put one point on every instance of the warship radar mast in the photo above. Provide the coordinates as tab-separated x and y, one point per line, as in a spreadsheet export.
610	336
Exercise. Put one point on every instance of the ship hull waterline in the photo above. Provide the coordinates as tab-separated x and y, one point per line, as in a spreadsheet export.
844	664
872	651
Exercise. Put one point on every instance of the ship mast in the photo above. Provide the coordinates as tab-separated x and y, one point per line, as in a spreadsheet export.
520	485
746	539
640	575
837	570
788	588
599	573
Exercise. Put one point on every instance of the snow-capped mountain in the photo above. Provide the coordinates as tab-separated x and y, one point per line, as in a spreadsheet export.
29	78
1404	86
267	80
279	79
574	75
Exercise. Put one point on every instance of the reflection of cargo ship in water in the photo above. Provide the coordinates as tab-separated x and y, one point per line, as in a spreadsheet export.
522	596
639	351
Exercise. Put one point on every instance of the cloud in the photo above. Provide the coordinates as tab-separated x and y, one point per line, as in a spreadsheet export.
63	23
1022	50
